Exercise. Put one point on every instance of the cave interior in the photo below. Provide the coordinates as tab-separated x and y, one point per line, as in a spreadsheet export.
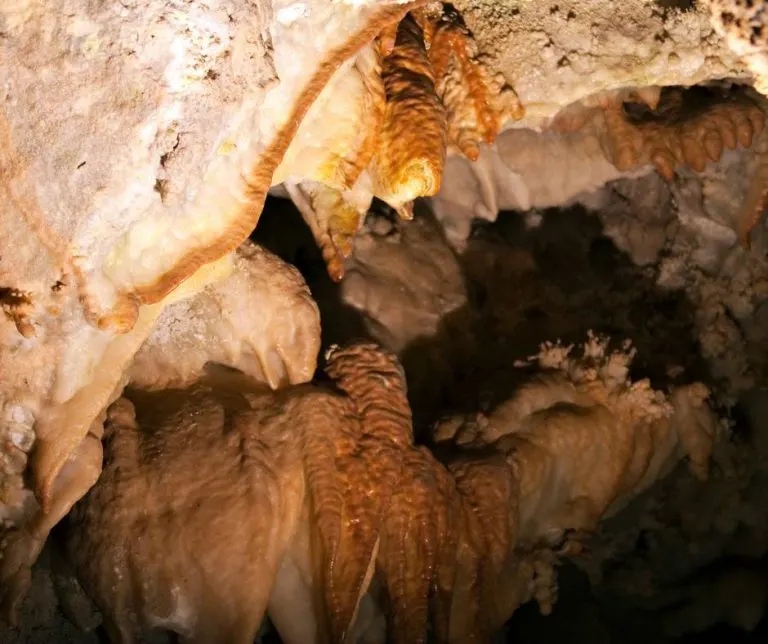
627	222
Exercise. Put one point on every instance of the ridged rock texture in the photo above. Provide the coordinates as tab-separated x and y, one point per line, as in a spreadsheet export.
137	143
291	501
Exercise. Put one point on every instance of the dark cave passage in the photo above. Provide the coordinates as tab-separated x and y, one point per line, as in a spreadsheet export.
529	278
528	284
584	615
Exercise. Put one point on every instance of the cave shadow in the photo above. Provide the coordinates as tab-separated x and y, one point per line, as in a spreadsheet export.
583	616
555	281
282	231
526	285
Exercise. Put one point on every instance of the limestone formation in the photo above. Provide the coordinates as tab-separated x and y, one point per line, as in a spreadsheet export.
138	141
220	502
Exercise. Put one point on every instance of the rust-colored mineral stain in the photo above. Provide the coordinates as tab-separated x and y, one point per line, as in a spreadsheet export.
410	156
680	131
17	306
260	176
755	204
474	104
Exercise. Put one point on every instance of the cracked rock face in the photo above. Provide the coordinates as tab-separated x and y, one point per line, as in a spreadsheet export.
139	139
